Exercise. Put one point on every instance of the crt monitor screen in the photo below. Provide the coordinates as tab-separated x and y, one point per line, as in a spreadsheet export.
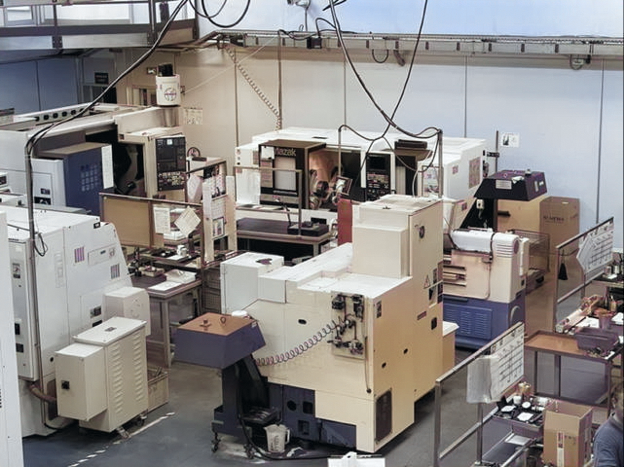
285	179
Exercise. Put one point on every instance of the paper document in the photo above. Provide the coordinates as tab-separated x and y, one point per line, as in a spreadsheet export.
162	222
163	286
107	167
181	277
194	188
187	222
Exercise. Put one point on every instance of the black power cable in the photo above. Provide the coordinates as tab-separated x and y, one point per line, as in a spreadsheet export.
333	3
205	13
389	119
383	60
226	26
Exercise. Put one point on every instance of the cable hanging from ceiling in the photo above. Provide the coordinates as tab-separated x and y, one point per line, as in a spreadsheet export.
427	133
388	118
219	11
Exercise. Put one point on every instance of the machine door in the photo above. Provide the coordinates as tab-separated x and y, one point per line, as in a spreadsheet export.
85	178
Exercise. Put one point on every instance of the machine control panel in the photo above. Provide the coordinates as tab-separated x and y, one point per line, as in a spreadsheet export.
24	339
349	335
170	162
377	176
170	181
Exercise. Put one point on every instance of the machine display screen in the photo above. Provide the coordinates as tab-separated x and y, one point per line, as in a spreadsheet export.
170	162
286	179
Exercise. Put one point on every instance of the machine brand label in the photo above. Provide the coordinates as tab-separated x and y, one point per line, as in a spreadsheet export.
503	184
554	219
171	94
285	151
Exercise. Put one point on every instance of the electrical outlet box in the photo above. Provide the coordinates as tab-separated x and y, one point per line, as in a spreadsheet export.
315	43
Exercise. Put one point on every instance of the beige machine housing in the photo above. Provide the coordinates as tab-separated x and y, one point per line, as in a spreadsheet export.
101	380
382	297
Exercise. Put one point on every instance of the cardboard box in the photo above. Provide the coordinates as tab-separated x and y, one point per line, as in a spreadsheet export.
522	215
567	434
559	218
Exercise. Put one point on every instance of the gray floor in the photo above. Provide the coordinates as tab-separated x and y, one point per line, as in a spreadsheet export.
178	434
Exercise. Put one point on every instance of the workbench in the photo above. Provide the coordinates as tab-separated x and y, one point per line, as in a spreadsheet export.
271	236
564	346
169	303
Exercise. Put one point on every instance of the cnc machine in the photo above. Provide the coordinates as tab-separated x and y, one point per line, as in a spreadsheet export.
113	148
10	426
77	260
394	164
354	335
484	284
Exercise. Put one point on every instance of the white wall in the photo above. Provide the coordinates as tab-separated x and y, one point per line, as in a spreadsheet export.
480	17
556	112
611	193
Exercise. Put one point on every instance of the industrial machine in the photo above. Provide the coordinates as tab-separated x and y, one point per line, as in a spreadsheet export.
10	425
344	164
112	148
462	164
517	185
78	259
484	284
161	151
101	379
353	336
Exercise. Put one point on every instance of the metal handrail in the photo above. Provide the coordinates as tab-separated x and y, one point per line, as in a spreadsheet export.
585	279
478	426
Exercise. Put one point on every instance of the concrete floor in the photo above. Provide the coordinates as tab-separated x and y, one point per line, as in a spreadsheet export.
179	434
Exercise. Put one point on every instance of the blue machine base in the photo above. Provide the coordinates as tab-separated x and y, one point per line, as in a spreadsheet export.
481	321
297	406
